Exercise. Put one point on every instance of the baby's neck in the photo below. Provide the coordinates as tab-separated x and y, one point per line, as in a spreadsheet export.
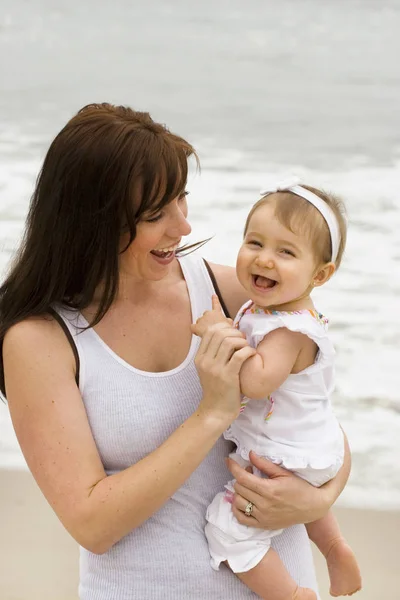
304	303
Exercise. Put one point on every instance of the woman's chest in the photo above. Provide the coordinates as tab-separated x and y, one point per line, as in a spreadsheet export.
155	339
131	414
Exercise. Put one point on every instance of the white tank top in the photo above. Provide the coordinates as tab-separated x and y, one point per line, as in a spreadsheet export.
131	413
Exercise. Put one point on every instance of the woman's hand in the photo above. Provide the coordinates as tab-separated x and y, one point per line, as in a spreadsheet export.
211	317
280	501
221	354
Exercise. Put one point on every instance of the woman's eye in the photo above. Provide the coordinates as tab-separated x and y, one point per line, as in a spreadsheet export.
154	219
183	194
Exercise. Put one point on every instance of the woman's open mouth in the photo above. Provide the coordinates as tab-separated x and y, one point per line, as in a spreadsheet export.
263	283
165	255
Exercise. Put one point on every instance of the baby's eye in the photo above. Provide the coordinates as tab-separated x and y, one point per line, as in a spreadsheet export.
254	243
287	251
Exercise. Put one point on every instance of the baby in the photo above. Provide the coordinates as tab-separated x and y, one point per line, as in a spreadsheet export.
294	240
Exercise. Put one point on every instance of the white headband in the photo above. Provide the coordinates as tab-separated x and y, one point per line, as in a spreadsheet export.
293	186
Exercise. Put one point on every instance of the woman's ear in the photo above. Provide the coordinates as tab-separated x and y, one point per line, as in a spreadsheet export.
323	274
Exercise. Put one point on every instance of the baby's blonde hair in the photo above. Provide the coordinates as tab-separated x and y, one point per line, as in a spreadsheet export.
302	218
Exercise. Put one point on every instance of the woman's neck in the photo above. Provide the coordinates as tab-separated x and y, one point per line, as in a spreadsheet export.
137	290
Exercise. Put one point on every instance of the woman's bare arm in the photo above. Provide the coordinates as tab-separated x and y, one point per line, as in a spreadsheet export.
52	428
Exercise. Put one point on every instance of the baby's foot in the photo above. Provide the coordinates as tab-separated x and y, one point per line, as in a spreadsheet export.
304	594
344	572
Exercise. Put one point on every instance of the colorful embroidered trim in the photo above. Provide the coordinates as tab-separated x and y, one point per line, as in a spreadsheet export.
243	403
258	310
228	497
271	409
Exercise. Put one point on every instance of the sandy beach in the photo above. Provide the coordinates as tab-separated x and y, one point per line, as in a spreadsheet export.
39	561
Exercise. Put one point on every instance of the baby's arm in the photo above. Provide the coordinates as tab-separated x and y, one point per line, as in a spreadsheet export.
276	355
275	359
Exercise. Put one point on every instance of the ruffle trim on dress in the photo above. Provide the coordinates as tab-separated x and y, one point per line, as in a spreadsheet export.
290	462
294	463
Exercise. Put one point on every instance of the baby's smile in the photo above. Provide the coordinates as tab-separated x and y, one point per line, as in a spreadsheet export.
263	283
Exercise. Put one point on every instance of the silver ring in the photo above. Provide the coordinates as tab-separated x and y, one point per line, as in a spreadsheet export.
249	509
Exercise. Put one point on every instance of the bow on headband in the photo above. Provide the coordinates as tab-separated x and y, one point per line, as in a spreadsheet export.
280	186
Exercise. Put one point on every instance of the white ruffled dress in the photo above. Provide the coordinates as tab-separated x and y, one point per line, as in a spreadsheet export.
294	427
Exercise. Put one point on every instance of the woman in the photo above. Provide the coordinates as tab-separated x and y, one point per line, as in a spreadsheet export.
122	436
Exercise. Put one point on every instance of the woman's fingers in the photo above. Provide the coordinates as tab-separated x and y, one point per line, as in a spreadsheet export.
239	505
246	480
215	336
267	467
282	499
247	495
206	340
221	354
238	358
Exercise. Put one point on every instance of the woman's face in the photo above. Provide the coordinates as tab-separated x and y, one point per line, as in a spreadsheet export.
157	238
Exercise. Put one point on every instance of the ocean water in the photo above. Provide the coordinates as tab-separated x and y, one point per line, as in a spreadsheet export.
261	90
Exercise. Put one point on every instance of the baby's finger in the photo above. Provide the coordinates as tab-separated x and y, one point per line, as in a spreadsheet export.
216	305
196	329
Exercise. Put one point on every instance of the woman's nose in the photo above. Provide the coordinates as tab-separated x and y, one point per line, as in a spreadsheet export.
180	225
185	226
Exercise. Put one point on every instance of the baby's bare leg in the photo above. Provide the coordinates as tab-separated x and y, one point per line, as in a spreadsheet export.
344	572
270	580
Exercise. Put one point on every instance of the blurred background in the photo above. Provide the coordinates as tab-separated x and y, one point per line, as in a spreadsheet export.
262	89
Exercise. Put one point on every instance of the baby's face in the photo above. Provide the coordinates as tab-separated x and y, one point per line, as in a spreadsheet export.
274	265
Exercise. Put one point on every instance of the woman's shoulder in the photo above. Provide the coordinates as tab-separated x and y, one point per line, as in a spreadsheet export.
232	292
38	327
36	340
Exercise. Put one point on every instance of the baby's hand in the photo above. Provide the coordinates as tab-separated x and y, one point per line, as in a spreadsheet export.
211	317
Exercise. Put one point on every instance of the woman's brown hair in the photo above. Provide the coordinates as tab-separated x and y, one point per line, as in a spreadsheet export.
107	167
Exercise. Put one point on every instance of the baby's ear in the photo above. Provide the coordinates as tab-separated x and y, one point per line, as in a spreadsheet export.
324	274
